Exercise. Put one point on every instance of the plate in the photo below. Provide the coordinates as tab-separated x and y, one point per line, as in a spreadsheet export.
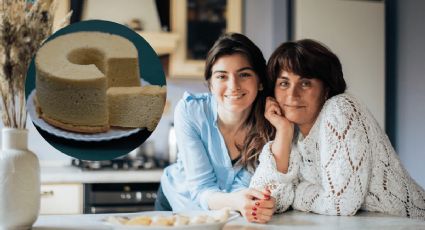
209	226
113	133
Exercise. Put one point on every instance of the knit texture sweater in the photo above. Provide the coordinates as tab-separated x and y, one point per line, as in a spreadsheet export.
344	164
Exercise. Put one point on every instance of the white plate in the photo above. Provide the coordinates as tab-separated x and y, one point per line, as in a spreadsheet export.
210	226
113	133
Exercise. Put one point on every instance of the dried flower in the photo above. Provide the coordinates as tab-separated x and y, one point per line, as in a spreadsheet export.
23	27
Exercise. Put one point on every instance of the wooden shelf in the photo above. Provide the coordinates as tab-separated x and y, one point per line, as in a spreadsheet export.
162	42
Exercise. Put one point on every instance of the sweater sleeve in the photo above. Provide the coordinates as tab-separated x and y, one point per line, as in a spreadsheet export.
344	161
281	185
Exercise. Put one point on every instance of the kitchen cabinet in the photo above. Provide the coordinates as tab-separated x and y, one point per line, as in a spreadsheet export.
61	199
162	42
198	24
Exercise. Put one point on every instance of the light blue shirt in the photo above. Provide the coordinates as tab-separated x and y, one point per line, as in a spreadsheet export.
203	164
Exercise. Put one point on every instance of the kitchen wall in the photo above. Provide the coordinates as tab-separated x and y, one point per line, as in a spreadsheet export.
266	23
410	86
355	31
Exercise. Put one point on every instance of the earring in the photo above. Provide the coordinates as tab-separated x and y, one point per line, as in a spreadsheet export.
260	88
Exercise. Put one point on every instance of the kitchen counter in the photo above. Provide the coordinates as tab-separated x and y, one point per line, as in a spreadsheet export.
70	174
288	220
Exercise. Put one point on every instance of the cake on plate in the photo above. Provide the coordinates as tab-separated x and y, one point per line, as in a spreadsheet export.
74	72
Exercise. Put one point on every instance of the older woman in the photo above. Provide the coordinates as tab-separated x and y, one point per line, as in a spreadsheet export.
338	160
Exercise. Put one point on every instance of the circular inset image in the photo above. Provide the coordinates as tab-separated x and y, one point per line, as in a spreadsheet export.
95	90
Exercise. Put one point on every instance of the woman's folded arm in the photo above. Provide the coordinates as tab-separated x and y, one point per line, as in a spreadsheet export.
281	185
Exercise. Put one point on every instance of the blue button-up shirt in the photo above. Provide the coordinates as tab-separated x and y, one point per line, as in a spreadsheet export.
203	164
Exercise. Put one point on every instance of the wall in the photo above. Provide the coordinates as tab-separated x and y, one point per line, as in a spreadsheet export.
410	86
265	23
354	30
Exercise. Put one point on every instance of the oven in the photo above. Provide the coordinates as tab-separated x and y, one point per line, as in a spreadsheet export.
119	197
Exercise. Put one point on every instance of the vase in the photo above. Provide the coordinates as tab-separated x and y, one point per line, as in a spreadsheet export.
19	181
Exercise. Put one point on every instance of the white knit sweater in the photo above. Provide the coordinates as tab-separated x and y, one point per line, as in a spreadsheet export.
346	163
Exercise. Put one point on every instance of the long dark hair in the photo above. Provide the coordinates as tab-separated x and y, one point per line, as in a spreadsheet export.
259	129
308	59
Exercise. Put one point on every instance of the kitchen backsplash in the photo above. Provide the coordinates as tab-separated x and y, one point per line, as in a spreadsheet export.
175	90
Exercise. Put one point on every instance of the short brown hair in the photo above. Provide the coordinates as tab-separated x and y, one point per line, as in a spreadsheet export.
308	59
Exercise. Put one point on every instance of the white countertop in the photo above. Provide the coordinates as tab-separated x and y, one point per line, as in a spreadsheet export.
288	220
71	174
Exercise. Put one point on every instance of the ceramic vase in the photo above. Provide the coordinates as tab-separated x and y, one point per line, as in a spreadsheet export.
19	181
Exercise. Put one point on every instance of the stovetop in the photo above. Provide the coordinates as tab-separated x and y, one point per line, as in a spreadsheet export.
123	163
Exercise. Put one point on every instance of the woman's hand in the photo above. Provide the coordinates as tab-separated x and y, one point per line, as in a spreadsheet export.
275	116
254	205
281	146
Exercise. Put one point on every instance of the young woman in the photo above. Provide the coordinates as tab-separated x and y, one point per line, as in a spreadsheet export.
339	160
219	135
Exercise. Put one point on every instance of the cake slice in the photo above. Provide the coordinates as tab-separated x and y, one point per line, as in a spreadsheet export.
136	107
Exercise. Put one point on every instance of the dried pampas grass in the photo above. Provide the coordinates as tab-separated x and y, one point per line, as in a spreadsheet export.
23	27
